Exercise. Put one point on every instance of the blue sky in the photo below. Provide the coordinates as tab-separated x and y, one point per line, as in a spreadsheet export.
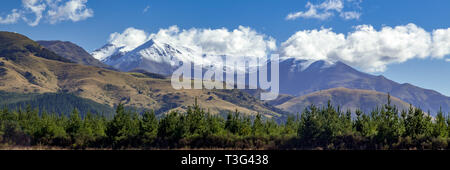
264	16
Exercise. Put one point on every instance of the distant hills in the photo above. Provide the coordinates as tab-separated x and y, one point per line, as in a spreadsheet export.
72	52
298	79
347	99
26	71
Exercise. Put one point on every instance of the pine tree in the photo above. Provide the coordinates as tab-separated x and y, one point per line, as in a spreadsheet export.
74	124
388	125
196	120
291	125
168	125
123	129
440	126
148	126
258	127
358	123
311	124
216	125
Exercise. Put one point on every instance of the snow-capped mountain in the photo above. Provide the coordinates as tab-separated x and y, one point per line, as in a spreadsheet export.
152	56
156	57
109	52
297	77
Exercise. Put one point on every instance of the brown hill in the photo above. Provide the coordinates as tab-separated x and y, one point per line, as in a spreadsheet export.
345	98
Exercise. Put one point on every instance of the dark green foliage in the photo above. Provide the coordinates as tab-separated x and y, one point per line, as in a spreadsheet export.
440	128
124	127
315	128
148	126
53	103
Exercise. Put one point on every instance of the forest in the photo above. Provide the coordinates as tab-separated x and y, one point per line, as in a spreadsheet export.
314	128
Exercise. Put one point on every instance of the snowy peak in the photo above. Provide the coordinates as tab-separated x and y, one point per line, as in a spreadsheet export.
297	65
157	52
153	56
106	52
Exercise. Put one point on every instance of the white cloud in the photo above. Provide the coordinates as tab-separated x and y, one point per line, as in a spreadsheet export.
441	42
33	11
37	7
243	41
129	39
325	10
74	10
11	18
447	59
367	48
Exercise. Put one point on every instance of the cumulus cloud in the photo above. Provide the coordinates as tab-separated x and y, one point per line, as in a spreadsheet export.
33	11
367	48
74	10
441	42
325	10
129	39
10	18
242	41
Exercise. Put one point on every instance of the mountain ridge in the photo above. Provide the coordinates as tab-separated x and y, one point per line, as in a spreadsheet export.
300	81
297	77
346	99
72	52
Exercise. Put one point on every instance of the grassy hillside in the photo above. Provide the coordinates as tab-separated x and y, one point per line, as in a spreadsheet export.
345	98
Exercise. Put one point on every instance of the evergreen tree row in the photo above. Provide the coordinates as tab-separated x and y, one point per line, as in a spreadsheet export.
315	128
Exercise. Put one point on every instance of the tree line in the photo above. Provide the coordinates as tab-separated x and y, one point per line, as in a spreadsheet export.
325	127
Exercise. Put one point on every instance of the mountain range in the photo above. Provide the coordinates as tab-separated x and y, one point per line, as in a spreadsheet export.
297	77
28	68
346	99
138	78
297	80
